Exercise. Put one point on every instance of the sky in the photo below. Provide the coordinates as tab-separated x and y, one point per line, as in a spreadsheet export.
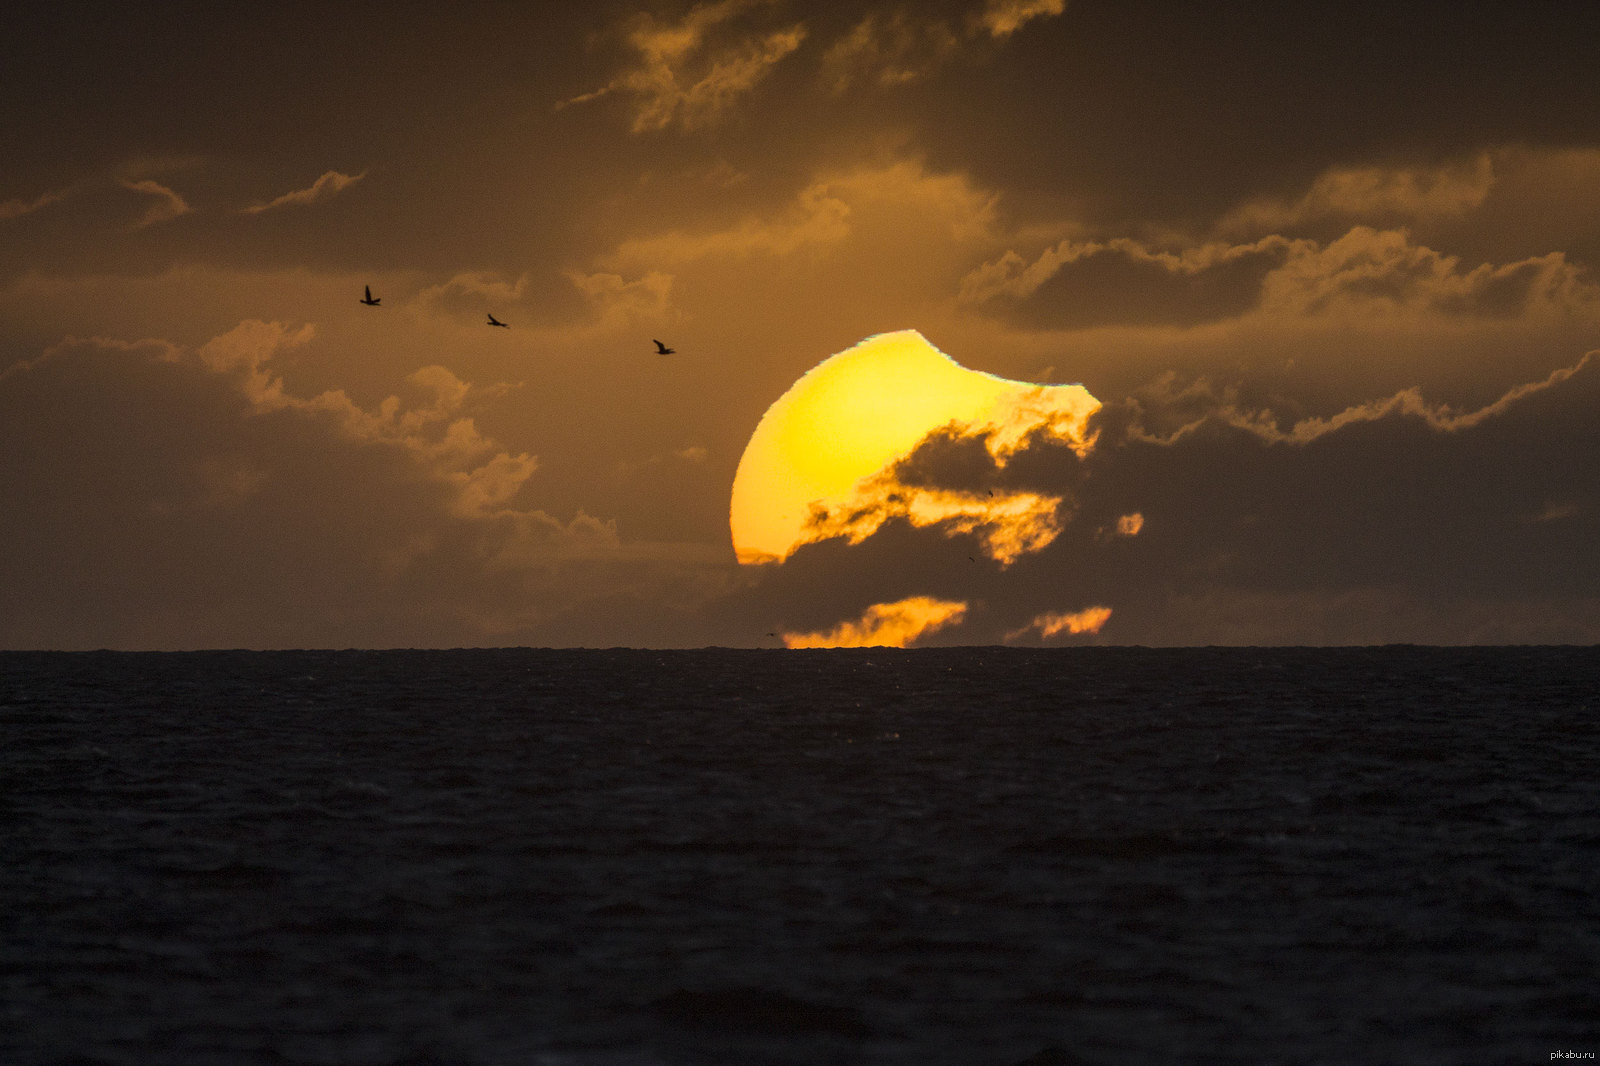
1327	273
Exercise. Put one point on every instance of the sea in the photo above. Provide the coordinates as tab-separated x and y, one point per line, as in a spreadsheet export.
965	856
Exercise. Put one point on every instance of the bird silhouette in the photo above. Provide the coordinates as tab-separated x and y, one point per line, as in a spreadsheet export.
368	299
493	321
662	349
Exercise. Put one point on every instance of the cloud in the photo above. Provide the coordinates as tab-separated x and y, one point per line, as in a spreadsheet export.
1053	623
892	625
1088	283
1501	203
888	49
1008	525
691	454
620	300
1011	275
828	211
169	204
469	290
1002	18
817	217
689	75
435	429
1370	272
1364	274
1198	406
17	208
1371	194
326	187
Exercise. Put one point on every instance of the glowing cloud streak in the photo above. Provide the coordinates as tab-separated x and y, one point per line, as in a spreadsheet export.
885	625
329	185
169	204
1002	18
1050	624
1008	524
685	78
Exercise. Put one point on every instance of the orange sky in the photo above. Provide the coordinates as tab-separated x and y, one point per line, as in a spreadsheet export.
1329	272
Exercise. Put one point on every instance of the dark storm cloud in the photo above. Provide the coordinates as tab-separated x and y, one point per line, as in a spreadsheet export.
1400	520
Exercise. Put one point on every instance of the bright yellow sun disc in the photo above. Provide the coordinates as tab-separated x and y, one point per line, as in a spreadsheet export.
857	413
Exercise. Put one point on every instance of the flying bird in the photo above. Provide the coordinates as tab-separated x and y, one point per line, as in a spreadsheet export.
662	349
368	300
493	321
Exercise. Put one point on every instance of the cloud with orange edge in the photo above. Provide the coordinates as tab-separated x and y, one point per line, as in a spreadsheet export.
1002	18
326	187
16	208
885	625
168	206
1054	623
687	75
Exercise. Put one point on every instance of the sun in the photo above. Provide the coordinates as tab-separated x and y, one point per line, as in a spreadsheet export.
830	441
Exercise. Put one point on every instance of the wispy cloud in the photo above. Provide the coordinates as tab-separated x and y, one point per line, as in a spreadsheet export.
17	208
1054	623
688	74
1365	274
168	206
1002	18
1205	405
1013	276
825	213
326	187
1369	272
1373	194
889	48
892	625
618	299
1008	525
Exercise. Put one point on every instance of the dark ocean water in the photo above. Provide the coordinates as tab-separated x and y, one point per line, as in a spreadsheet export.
973	856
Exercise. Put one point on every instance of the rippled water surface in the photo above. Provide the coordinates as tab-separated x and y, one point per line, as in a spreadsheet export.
972	856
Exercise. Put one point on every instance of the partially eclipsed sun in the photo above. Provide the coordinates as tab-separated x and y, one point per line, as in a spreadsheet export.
821	462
